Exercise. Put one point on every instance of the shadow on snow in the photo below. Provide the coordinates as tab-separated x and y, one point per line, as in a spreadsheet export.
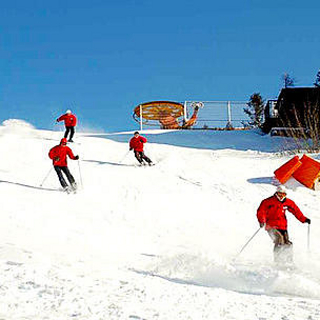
110	163
263	180
29	186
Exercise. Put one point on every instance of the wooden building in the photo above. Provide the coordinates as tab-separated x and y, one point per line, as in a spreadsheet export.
296	109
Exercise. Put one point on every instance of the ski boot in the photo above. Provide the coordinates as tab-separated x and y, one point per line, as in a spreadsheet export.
74	187
67	189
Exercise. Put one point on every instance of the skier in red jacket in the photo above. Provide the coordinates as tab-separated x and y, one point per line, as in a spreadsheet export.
271	215
70	121
136	143
59	155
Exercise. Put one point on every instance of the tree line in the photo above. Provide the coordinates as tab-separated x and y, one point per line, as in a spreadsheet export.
256	104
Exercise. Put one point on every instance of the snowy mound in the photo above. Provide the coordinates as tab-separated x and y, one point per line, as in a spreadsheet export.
17	127
17	124
158	242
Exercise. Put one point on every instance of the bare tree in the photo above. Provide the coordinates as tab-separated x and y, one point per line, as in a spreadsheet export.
288	81
317	82
304	127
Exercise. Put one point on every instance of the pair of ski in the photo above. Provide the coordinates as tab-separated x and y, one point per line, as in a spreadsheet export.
71	189
144	164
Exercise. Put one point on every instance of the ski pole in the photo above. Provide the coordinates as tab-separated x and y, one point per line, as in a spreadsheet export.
308	239
124	157
248	242
46	177
80	174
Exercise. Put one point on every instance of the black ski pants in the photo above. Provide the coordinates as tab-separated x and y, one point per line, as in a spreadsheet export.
141	156
66	171
71	130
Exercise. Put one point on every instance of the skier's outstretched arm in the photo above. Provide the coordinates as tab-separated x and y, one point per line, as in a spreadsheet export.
294	209
71	155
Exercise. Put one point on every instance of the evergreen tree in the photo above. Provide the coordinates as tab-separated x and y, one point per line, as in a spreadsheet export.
288	81
255	110
317	82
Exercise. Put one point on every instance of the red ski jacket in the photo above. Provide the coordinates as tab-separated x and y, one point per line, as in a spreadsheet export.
272	212
137	143
59	155
70	120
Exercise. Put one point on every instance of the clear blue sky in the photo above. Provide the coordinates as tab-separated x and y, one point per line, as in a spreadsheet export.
100	58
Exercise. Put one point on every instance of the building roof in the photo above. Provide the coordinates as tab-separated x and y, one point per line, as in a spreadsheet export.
299	95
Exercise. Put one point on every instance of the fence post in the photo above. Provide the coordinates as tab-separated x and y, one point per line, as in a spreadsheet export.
229	124
140	117
185	111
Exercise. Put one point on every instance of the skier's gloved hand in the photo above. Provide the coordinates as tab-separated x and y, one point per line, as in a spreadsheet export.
308	221
130	149
56	159
262	224
76	157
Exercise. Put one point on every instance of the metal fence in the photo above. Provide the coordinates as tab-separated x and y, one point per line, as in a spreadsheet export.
211	115
218	114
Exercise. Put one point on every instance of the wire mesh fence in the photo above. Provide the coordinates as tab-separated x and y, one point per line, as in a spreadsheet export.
219	114
209	115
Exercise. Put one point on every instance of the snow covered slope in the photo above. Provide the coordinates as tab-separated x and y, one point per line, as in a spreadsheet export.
149	243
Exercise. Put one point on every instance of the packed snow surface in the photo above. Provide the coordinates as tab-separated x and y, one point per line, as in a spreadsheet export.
157	242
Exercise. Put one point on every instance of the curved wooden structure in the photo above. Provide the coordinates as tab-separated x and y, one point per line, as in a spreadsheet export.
192	120
155	110
166	112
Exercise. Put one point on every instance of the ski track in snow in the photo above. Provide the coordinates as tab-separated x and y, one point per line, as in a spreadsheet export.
148	243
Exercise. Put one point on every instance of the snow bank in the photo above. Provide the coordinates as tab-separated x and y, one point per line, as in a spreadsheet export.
17	127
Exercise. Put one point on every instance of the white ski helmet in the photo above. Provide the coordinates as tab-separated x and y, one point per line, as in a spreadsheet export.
282	189
68	111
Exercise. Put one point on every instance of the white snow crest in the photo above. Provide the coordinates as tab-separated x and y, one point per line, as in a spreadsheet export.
17	127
